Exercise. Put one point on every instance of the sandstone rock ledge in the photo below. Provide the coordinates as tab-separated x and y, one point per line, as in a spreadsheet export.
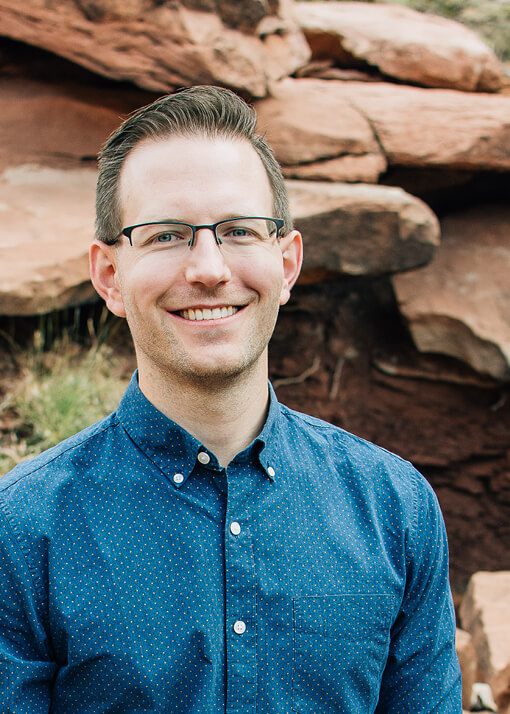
44	249
468	665
402	43
49	124
459	304
484	614
413	126
162	46
357	229
317	133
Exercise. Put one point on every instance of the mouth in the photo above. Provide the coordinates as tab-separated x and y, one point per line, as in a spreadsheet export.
204	313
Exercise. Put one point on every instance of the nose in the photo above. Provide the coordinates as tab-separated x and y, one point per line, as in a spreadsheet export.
205	263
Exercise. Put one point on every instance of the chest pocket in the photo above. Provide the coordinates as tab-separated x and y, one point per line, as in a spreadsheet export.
340	649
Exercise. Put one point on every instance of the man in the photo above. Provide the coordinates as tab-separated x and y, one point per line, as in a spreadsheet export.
205	549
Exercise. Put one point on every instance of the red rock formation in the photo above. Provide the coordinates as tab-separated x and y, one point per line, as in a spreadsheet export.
432	127
401	43
360	229
50	123
341	349
468	665
485	616
44	249
310	124
459	304
162	46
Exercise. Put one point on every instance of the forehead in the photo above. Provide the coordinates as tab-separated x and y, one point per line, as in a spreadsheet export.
195	178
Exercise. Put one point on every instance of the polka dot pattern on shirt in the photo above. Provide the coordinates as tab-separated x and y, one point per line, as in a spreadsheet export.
139	576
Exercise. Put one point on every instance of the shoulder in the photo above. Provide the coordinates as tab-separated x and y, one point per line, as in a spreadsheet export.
329	438
63	461
333	452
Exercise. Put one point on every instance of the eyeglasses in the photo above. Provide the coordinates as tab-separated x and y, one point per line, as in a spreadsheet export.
237	234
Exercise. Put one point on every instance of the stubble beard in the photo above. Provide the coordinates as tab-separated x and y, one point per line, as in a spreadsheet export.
183	371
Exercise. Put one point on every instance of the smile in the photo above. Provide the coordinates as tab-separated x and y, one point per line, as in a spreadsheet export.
216	313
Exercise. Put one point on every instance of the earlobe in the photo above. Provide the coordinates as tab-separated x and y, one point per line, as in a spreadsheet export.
103	273
292	251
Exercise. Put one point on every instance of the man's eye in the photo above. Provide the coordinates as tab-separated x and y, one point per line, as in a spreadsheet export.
239	232
167	237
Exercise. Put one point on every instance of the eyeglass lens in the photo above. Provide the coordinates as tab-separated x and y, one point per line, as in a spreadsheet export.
238	234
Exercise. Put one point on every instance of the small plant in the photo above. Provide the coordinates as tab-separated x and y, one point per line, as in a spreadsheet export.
60	392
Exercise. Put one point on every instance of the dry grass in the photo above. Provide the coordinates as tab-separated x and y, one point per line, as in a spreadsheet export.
57	393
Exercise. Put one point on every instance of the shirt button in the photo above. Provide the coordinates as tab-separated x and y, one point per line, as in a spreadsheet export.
239	627
178	478
203	457
271	472
235	528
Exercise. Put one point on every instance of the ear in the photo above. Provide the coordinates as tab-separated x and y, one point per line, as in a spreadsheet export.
292	250
104	276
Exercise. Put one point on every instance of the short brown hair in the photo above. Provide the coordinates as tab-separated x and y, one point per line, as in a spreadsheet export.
200	110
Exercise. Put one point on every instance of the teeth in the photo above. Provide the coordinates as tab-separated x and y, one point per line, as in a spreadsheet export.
207	314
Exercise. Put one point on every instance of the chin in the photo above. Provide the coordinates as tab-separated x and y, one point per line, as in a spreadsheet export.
219	374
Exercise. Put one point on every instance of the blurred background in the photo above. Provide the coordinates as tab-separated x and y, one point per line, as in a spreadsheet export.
392	124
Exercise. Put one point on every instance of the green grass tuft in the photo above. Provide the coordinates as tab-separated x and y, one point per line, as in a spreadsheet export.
59	393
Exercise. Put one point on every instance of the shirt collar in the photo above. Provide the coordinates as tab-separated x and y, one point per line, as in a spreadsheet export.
174	450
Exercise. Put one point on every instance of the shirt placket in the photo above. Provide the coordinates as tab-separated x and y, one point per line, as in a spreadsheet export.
240	587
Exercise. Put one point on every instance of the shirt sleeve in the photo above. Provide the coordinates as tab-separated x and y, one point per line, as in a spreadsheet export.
422	674
26	669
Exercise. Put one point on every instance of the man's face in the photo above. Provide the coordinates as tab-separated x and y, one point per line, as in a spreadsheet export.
198	180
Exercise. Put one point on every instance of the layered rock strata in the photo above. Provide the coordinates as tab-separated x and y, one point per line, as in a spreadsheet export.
361	229
44	250
160	46
459	304
401	43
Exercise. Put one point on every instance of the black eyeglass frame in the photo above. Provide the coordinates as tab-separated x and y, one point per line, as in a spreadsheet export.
279	222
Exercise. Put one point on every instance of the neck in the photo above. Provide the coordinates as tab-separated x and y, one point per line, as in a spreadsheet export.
224	416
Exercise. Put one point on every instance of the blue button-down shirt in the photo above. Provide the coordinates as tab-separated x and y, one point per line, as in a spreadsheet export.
137	575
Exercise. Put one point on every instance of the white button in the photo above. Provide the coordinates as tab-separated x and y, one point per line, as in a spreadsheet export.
178	478
239	627
203	457
271	472
235	528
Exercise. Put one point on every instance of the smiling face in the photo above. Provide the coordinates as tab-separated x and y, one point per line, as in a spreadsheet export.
204	313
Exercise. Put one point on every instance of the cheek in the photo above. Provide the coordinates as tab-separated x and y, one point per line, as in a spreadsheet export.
145	281
262	274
